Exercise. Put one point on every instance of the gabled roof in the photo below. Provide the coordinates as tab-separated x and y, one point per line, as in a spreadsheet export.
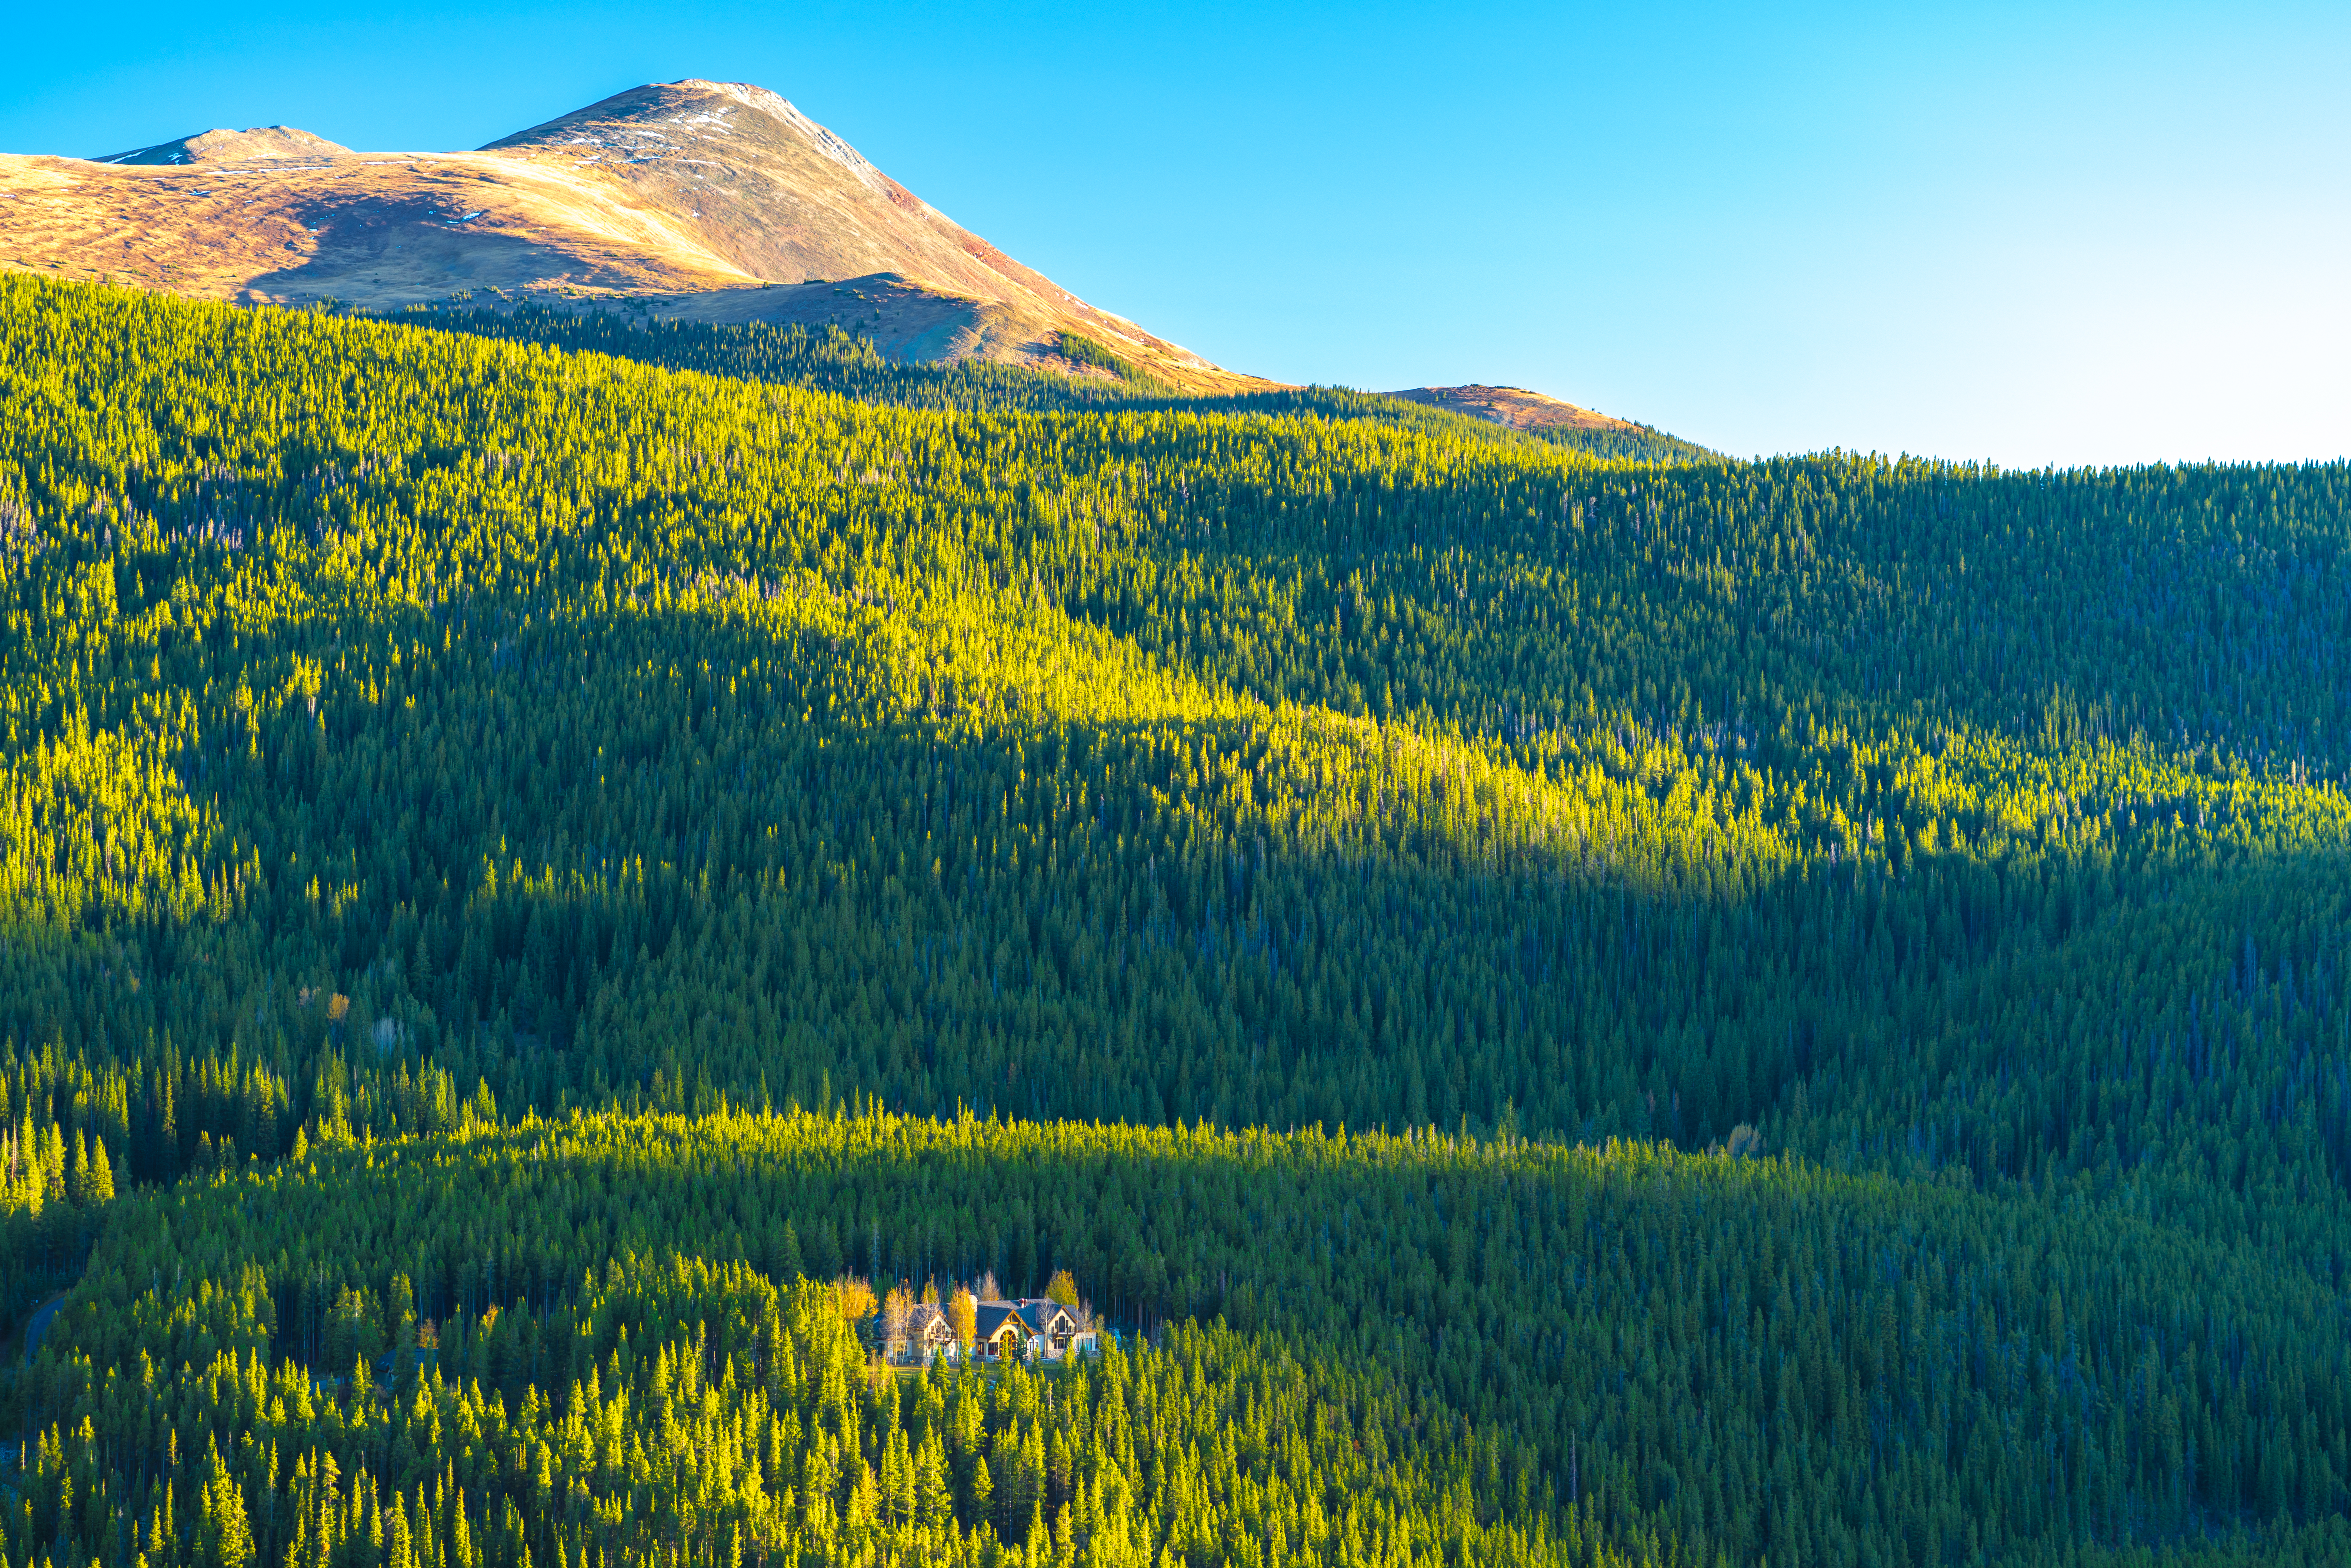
994	1315
1040	1311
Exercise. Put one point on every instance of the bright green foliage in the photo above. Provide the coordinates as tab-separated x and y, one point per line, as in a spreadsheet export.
403	734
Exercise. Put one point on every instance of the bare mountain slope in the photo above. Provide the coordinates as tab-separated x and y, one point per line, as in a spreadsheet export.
780	197
704	200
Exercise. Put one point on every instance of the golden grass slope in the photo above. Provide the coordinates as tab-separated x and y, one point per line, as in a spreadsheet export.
705	201
372	230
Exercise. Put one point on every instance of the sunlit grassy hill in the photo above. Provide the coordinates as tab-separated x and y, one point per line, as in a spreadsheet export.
1830	971
693	201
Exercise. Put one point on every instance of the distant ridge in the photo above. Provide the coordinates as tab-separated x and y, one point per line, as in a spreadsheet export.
1514	406
230	146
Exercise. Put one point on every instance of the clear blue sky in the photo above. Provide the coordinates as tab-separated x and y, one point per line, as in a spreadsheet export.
2037	233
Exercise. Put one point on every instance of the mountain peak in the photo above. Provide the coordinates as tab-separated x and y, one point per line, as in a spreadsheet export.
648	120
777	196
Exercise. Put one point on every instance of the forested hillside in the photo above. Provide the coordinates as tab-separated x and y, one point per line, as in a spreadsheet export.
835	360
1575	1008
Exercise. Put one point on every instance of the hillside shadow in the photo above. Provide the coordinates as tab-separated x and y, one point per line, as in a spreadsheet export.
374	250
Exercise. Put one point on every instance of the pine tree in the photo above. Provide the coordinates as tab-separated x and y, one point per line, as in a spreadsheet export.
224	1534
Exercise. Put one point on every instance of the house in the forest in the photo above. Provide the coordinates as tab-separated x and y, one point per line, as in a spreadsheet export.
1040	1328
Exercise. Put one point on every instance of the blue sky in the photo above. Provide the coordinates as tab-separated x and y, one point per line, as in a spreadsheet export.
2032	234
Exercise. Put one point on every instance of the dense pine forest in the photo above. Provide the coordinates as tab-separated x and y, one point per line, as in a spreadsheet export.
1570	1004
